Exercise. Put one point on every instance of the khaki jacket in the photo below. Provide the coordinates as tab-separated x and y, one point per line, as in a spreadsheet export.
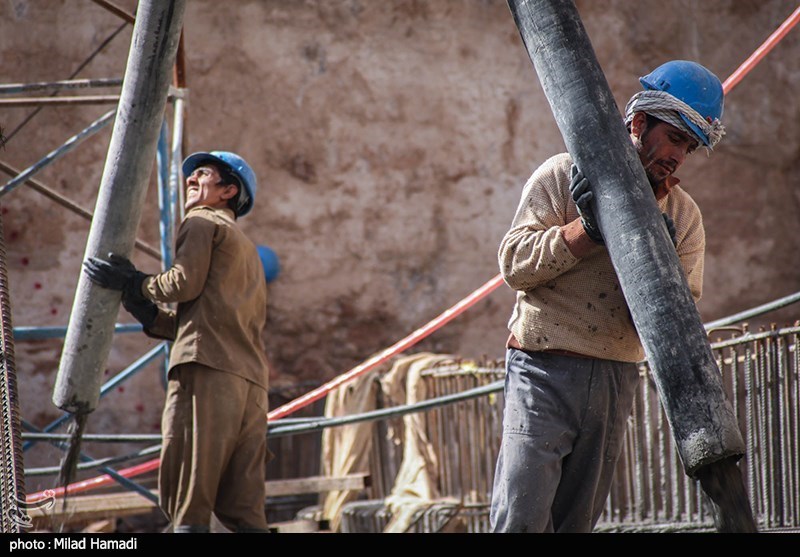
218	283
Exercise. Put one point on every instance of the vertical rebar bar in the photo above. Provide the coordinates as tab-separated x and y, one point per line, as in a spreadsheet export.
771	383
12	482
783	433
750	420
795	406
763	444
650	476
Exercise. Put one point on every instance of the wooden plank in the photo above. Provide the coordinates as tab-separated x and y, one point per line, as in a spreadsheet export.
316	484
98	507
95	507
295	527
105	526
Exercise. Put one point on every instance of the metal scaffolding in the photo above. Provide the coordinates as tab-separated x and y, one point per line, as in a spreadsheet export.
169	181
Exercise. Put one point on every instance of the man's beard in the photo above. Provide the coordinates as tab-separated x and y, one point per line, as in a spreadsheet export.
654	181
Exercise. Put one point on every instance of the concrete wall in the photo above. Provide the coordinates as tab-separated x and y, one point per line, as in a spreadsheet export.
391	140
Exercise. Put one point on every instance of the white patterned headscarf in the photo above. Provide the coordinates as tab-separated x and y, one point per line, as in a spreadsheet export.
664	106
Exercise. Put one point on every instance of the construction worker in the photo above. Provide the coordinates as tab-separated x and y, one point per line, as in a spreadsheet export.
571	360
214	423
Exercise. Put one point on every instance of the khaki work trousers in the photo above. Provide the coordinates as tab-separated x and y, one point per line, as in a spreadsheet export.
213	456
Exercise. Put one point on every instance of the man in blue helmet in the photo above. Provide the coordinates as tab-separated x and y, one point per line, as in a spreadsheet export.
214	423
572	353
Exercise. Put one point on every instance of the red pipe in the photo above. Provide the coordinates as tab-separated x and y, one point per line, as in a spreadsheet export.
92	483
761	51
420	333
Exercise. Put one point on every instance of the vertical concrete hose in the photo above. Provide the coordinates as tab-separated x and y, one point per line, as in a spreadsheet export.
689	382
126	174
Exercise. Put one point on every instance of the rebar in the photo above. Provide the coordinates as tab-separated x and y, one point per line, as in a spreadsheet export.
12	481
794	404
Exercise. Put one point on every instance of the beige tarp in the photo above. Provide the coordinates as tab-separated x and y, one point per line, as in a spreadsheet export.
415	486
346	449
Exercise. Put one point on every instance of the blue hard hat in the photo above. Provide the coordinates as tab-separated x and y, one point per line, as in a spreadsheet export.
269	260
236	165
693	84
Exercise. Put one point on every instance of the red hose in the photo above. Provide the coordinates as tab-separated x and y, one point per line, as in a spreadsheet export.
92	483
761	51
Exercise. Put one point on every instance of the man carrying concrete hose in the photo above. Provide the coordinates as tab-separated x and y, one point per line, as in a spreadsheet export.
214	423
571	361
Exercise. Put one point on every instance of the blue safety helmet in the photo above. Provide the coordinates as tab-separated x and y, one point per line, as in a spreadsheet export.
269	260
694	85
236	165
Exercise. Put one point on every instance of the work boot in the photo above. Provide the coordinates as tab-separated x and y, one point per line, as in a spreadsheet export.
190	529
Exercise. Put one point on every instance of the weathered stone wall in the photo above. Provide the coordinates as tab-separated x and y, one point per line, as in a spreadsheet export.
391	140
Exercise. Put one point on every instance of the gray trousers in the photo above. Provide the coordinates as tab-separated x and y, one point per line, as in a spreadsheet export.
563	427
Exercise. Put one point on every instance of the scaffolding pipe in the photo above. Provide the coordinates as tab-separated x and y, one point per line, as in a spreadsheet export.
118	379
94	483
55	101
42	333
14	88
71	205
176	157
52	156
164	205
103	463
753	312
116	476
646	263
120	199
95	437
116	10
167	221
83	64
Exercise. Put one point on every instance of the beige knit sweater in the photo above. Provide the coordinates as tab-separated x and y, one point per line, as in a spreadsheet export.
573	304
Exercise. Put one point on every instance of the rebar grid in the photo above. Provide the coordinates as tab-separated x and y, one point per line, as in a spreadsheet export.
650	490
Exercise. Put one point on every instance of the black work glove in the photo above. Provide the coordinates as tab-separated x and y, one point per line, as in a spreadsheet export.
670	229
118	273
142	309
582	196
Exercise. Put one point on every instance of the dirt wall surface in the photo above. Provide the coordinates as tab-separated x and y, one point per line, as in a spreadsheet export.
391	140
